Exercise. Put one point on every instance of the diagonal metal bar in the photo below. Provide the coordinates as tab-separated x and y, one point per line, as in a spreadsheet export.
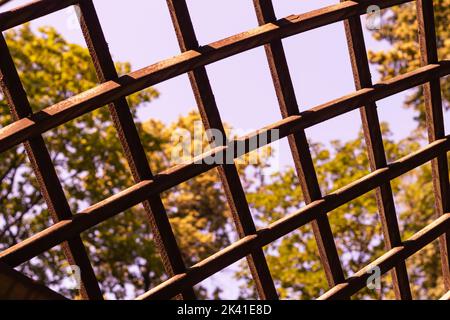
131	143
33	10
377	155
45	172
445	296
435	125
300	147
391	258
16	286
228	172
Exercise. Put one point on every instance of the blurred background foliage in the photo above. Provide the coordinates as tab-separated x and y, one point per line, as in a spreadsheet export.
91	167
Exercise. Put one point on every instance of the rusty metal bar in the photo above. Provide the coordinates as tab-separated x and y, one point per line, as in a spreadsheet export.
228	172
376	152
435	125
391	258
16	286
33	10
300	147
45	172
131	144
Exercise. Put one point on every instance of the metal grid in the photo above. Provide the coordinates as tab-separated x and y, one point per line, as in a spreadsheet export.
27	128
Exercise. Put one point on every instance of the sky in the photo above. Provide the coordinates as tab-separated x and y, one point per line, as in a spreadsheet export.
141	32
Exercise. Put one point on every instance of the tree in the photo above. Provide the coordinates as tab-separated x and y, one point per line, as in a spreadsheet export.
89	160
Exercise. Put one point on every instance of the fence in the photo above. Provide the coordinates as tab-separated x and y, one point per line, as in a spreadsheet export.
28	128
